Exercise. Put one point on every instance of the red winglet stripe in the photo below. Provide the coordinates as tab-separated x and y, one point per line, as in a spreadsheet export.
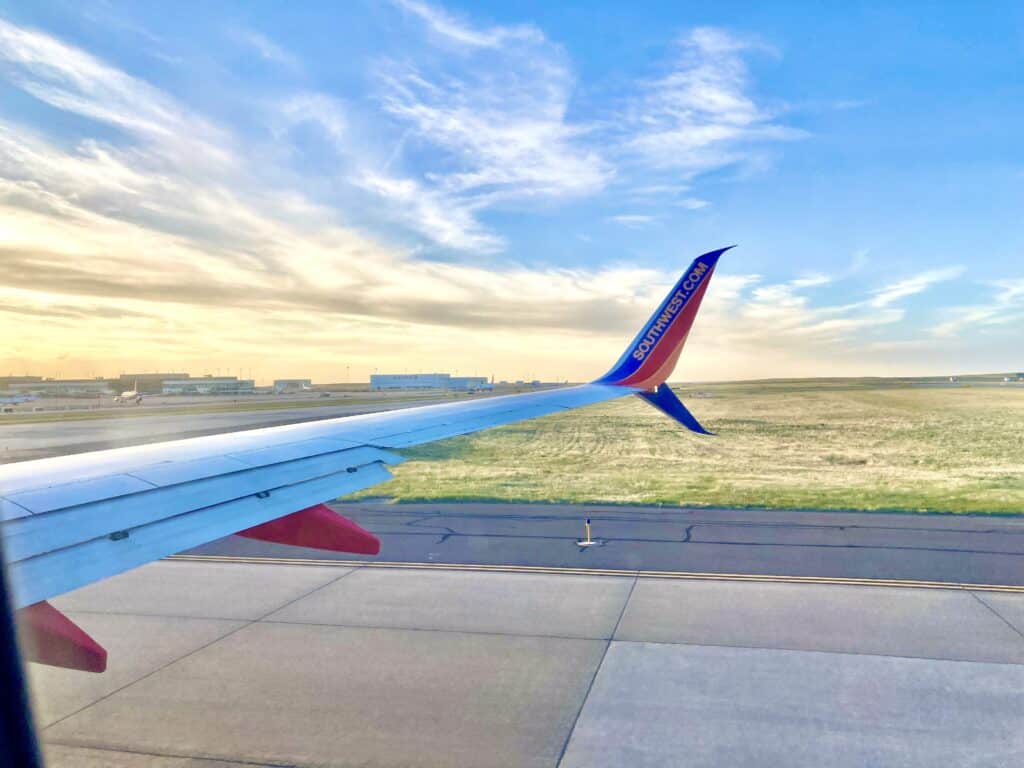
656	368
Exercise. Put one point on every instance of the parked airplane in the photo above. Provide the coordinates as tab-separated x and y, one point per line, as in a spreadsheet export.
130	396
72	520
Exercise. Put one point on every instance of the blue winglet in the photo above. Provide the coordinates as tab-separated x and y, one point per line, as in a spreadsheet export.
665	400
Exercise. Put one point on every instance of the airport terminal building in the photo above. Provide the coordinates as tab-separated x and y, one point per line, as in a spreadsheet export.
145	383
209	385
40	387
381	381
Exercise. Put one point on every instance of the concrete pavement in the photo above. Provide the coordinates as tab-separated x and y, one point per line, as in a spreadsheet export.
231	663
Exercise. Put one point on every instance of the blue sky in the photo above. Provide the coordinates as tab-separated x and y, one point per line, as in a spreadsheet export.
508	188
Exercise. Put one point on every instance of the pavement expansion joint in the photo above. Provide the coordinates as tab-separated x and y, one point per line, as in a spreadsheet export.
550	570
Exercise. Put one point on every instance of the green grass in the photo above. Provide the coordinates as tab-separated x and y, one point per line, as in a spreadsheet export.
867	444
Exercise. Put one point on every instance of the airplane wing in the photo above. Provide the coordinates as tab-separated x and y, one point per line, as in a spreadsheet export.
71	520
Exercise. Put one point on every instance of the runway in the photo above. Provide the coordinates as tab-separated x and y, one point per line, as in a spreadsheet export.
26	441
839	545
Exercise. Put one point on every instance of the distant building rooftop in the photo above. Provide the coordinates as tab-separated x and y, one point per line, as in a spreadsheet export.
59	387
147	383
428	381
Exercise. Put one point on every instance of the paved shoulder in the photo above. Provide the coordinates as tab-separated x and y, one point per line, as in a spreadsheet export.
705	707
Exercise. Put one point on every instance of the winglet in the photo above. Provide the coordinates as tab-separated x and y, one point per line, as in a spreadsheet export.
652	356
665	400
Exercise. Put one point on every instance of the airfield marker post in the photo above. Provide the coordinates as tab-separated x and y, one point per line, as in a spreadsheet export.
587	541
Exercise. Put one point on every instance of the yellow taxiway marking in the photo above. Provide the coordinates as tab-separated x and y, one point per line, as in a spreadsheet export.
691	575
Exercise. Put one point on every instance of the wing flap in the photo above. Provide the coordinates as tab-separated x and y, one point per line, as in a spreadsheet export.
174	472
53	497
262	457
11	511
37	534
57	571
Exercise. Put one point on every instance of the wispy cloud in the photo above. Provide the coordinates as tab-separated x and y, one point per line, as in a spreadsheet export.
319	109
660	195
913	285
506	130
1005	306
811	281
633	220
446	220
265	48
497	124
702	115
692	203
70	79
452	29
759	329
483	123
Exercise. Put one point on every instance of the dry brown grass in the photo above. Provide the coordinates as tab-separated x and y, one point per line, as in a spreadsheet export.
866	445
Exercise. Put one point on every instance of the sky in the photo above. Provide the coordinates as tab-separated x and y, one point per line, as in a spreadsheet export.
331	189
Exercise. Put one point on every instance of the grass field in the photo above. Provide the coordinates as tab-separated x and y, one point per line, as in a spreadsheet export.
821	445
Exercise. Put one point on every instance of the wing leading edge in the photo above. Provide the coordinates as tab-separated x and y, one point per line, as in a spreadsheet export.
71	520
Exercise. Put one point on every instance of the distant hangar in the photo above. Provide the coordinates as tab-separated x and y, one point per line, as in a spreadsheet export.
380	381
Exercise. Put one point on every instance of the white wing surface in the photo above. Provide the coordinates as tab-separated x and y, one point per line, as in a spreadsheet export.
72	520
